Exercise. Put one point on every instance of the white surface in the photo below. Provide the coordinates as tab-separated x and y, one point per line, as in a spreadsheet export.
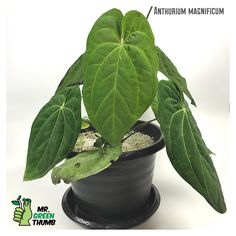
44	39
181	207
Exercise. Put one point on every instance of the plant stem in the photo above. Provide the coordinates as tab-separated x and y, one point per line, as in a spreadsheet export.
149	12
137	128
20	205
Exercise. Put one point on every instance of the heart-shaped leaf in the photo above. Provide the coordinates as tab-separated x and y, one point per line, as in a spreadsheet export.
120	67
53	133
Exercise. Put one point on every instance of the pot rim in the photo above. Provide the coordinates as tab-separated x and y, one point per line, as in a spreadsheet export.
157	146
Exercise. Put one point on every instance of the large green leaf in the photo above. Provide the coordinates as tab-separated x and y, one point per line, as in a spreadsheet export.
185	147
120	67
74	75
53	133
85	164
167	67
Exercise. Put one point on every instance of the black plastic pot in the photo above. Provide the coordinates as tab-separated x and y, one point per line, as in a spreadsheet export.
121	196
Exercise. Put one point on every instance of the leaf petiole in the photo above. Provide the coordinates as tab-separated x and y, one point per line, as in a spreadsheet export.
137	128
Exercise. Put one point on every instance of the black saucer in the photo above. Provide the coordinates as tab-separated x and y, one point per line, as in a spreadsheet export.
73	211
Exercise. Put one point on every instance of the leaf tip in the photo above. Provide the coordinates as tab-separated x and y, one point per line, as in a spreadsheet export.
222	207
30	175
222	211
26	177
193	102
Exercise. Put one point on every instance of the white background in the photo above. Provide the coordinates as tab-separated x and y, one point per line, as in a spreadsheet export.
45	37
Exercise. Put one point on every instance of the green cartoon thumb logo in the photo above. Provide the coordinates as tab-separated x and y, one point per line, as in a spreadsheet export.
23	212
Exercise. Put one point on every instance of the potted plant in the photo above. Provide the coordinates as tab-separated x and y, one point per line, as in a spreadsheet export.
118	76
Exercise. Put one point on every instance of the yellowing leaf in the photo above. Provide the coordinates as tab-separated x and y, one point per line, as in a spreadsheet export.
85	164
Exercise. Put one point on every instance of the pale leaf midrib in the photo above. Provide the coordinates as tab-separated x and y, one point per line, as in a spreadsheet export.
96	75
114	99
104	124
143	54
135	32
48	144
196	145
137	99
49	140
186	153
55	156
35	138
101	104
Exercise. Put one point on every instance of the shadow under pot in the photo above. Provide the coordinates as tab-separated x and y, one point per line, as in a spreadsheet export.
121	196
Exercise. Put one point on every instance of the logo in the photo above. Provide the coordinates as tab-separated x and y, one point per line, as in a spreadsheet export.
23	213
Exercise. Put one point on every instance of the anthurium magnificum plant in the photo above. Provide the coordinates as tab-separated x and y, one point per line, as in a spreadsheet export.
117	76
